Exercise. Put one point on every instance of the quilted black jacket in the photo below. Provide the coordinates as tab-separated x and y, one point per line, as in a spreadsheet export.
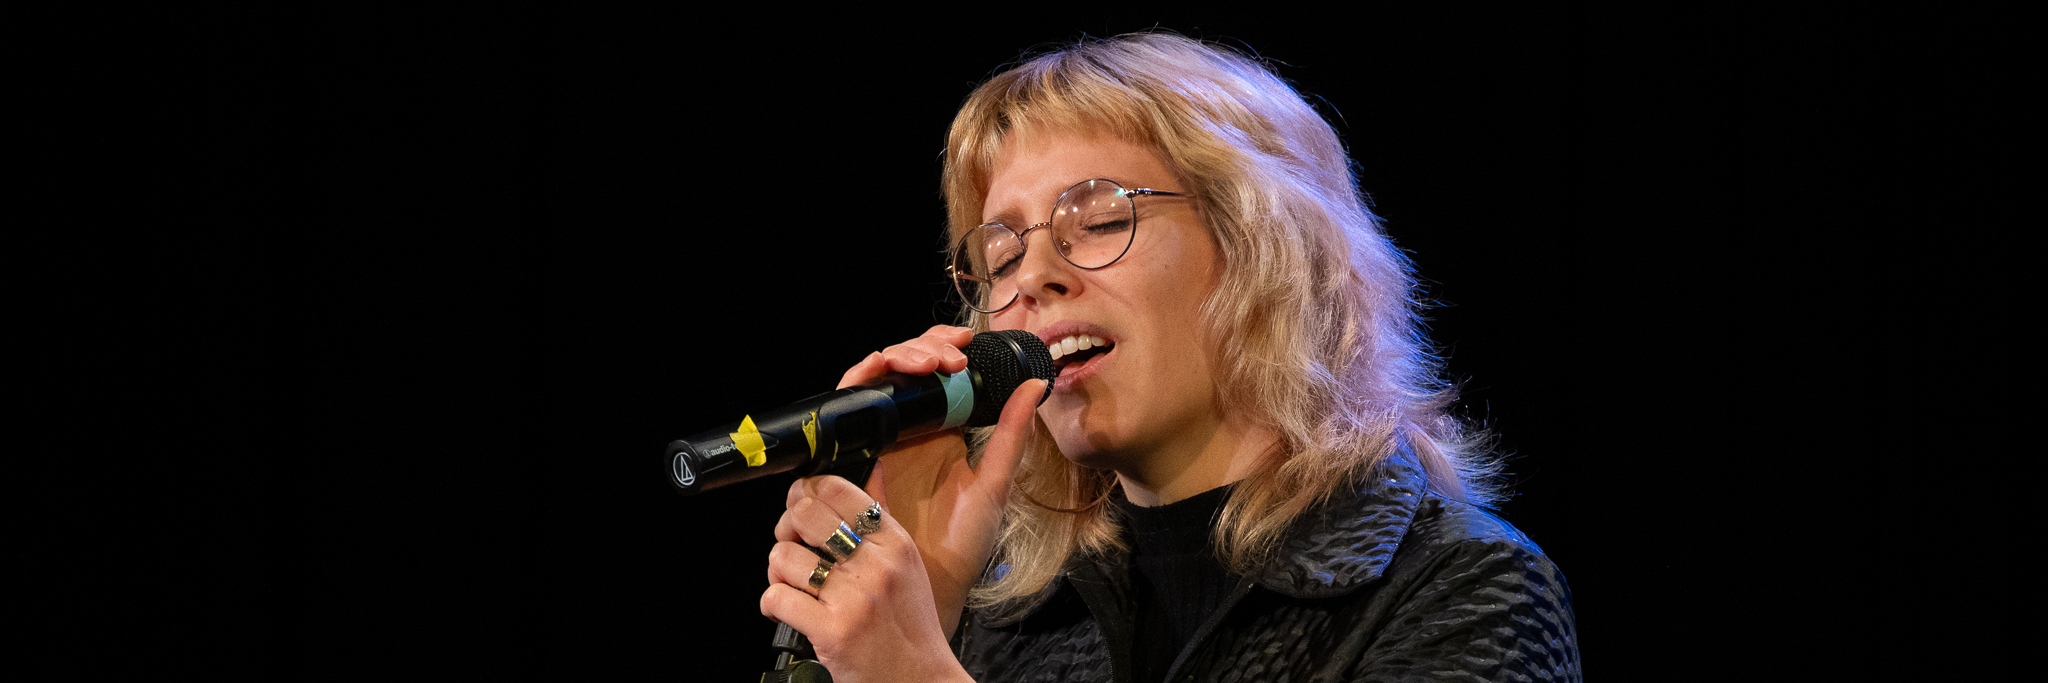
1391	583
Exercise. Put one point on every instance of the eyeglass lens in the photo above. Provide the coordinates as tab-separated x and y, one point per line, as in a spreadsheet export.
1092	226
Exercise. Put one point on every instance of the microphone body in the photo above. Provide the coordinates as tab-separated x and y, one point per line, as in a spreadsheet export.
847	428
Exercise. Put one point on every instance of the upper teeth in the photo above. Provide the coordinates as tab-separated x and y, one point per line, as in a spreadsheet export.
1075	343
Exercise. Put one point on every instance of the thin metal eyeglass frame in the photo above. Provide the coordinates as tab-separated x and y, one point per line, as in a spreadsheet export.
1025	246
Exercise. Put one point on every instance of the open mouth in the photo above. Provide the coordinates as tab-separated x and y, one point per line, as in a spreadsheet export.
1077	350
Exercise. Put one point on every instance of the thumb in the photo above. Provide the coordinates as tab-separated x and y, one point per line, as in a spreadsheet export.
1006	446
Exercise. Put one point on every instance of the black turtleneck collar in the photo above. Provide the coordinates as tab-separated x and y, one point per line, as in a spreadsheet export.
1176	580
1176	528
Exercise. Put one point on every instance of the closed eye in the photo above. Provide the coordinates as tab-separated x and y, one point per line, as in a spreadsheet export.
1108	227
1002	267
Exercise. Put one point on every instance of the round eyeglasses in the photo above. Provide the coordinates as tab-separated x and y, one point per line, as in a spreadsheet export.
1093	223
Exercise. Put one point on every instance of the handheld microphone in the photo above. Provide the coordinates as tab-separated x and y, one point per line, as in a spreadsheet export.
843	429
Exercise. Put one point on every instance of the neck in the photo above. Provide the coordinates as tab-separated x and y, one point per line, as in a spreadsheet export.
1224	452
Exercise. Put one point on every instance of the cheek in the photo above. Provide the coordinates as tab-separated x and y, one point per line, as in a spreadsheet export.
1195	279
1011	318
1180	369
1179	282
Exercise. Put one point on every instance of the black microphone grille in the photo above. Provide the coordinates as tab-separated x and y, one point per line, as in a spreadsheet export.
1005	359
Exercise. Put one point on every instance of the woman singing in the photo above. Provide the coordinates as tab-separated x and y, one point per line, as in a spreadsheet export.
1244	470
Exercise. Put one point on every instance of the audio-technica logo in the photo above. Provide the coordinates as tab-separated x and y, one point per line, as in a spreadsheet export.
683	474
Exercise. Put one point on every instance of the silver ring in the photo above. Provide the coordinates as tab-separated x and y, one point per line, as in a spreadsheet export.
842	543
868	521
818	576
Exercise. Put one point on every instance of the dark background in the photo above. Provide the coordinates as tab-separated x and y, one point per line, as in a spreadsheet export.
510	257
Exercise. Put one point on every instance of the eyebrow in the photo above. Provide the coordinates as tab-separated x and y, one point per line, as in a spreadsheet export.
1011	218
1007	217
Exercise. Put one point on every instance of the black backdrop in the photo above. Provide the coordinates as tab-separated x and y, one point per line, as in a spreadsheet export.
525	252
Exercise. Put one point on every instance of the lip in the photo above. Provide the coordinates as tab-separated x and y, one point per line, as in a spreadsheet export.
1075	374
1068	328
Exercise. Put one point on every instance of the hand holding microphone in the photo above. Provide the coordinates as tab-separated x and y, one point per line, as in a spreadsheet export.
890	605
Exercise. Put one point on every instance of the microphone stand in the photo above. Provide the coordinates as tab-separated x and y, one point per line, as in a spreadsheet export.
795	661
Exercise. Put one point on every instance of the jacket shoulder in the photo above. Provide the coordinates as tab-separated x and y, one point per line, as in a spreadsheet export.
1442	522
1466	586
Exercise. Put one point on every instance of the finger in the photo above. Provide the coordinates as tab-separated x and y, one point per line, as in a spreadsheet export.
951	358
957	337
792	564
812	521
798	490
911	359
842	498
1006	445
792	523
785	528
941	342
783	602
868	368
946	356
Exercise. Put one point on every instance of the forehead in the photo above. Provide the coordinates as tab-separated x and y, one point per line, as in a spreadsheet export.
1033	166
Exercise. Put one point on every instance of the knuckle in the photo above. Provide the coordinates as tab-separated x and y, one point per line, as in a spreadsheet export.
787	555
837	486
775	602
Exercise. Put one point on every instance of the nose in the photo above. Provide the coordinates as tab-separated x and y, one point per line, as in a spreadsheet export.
1045	274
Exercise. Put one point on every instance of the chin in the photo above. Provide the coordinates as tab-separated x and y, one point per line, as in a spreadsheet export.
1090	459
1093	451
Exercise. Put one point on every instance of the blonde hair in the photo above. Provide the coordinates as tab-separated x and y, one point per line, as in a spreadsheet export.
1315	318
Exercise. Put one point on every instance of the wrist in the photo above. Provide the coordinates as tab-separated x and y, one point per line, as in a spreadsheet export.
949	596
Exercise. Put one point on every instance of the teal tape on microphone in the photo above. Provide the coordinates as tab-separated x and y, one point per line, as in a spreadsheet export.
959	398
